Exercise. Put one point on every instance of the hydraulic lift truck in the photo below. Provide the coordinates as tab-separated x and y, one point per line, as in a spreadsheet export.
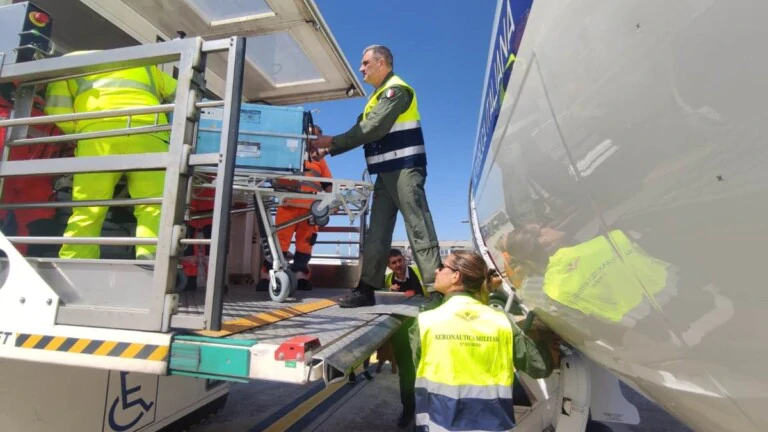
110	344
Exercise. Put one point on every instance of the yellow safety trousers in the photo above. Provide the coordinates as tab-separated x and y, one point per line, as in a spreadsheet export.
87	221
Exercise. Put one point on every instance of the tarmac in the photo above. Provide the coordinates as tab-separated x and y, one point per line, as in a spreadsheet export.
363	406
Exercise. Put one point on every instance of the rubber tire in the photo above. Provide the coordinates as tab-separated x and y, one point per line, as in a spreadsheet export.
497	303
319	214
323	221
294	281
282	290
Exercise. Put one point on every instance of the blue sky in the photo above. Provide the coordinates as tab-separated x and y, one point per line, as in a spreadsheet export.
440	48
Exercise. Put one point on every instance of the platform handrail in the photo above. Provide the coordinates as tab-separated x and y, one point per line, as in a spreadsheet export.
59	118
151	310
88	135
85	203
109	241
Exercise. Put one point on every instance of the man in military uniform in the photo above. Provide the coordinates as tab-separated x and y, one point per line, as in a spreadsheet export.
390	129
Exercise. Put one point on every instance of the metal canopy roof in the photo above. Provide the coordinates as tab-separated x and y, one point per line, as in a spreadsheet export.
292	55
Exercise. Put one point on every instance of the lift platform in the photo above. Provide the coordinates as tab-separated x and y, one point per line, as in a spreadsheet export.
128	315
141	352
306	340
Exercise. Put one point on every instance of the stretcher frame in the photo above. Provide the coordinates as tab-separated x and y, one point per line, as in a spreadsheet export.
259	191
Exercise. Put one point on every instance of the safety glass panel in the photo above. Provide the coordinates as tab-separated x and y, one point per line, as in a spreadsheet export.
280	58
217	12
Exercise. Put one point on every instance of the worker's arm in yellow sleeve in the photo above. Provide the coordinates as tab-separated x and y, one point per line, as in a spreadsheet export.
166	86
58	101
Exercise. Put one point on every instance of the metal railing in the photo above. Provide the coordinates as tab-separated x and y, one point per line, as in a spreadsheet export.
94	297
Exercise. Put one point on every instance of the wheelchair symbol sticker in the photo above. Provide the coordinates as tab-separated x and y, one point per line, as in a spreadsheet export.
130	401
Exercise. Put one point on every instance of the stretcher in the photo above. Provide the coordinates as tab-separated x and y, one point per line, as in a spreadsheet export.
259	191
272	145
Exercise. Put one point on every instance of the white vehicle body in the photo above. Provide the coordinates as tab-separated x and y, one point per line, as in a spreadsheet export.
63	368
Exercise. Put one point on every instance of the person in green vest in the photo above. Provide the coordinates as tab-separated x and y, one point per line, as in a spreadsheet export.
606	277
466	353
402	277
390	130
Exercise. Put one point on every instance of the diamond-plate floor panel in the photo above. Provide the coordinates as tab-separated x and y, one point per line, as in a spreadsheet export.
330	324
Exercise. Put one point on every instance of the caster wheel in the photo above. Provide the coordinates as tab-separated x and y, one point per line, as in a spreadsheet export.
323	221
497	303
282	288
316	212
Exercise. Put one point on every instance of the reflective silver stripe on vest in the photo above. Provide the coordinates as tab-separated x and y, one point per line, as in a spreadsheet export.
59	102
84	85
415	124
422	419
395	154
114	83
487	392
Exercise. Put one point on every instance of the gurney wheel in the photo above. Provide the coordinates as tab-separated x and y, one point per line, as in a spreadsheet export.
497	301
293	280
317	212
323	221
282	289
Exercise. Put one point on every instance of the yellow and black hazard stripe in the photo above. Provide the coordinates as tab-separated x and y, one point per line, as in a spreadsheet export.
124	350
251	322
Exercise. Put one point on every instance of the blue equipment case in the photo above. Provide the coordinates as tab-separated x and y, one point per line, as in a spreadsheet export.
257	149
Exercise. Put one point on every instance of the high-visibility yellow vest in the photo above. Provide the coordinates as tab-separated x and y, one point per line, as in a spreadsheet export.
603	278
403	146
465	374
128	88
389	277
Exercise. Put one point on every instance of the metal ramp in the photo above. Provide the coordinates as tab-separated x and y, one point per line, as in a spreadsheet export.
278	337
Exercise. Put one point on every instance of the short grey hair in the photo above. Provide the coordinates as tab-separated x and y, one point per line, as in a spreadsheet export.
380	51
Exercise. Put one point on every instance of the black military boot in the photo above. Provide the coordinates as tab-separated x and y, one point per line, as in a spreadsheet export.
406	418
300	268
304	285
361	296
263	284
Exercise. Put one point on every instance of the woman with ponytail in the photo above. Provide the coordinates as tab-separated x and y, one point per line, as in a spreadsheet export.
464	352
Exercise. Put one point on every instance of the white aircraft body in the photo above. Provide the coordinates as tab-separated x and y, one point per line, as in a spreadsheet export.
620	183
